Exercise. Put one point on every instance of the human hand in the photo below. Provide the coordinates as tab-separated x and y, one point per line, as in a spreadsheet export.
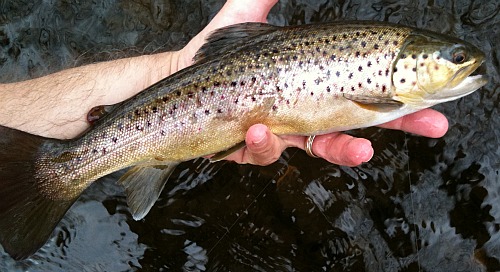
263	147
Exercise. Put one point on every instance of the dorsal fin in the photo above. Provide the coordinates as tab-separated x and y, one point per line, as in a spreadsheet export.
228	38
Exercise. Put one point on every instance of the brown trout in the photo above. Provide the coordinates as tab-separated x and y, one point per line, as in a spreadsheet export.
300	80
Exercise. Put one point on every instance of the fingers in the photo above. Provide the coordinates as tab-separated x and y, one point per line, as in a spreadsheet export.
263	147
428	123
342	149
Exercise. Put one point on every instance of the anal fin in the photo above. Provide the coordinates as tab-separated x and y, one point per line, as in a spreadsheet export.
143	185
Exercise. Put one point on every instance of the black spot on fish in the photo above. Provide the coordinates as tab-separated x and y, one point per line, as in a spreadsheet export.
395	43
402	80
307	43
413	56
114	139
104	151
139	128
148	123
369	64
360	85
228	73
353	89
242	69
368	80
242	83
154	109
219	110
384	88
337	74
386	42
357	33
375	46
318	49
403	56
379	72
190	94
344	36
254	79
163	133
333	57
275	107
350	76
295	57
328	88
137	112
203	89
286	85
312	93
327	41
363	44
424	56
94	151
360	68
386	72
234	83
414	69
275	51
342	89
395	69
334	37
236	101
207	112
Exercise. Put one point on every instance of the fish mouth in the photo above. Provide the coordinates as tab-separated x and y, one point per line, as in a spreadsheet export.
465	87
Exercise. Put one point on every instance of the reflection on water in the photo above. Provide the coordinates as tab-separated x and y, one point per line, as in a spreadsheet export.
419	205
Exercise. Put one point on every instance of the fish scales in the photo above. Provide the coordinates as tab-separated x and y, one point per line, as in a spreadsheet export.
284	82
299	80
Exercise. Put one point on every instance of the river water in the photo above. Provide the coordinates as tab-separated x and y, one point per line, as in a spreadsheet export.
419	205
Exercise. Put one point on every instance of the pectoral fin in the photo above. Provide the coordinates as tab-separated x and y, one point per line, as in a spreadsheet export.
223	154
143	185
380	104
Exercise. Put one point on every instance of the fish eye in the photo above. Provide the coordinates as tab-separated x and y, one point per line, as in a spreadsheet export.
459	57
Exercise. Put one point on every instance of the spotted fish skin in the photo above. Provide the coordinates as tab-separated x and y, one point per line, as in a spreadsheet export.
299	80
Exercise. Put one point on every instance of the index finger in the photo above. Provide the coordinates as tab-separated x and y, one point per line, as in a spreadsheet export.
428	122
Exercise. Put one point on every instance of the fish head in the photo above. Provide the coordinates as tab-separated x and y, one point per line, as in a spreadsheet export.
434	68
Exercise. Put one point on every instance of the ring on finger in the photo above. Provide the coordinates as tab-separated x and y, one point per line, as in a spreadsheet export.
308	146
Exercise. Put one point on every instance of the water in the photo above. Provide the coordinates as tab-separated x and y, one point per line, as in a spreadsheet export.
419	205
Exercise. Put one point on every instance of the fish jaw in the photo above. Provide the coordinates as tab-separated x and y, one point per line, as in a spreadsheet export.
469	85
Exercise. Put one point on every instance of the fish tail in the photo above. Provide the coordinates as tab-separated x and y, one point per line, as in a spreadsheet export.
28	215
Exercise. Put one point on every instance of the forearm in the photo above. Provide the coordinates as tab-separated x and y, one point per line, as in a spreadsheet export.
56	105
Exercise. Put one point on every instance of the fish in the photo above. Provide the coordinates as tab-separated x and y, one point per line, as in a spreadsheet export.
297	80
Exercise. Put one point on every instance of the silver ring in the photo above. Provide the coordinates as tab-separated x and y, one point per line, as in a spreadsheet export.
309	145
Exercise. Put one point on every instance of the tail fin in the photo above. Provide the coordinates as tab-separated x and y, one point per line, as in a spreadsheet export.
27	215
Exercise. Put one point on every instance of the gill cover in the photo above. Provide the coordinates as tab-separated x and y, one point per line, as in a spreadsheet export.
430	65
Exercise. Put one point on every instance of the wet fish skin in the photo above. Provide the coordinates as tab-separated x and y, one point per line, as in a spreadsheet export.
298	80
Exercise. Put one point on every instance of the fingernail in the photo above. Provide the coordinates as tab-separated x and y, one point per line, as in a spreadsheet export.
260	141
